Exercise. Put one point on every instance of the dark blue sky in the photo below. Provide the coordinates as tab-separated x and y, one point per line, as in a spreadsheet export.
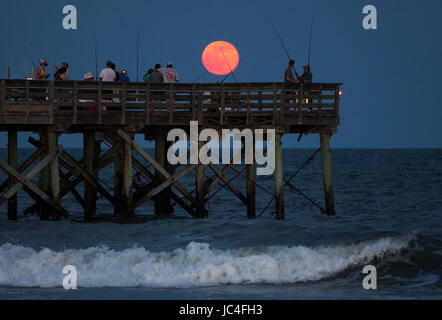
392	76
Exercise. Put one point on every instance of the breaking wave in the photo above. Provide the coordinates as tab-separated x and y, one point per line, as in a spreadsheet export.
197	265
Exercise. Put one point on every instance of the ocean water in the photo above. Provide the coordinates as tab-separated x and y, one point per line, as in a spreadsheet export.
388	205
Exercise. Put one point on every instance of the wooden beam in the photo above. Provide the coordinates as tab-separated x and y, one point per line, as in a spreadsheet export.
118	178
202	211
232	187
127	180
74	191
279	178
163	186
37	169
200	177
54	171
24	166
327	173
251	190
12	160
88	177
66	188
34	190
163	204
43	178
90	193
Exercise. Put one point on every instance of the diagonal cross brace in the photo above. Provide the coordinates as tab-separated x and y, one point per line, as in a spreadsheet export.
163	172
32	189
44	163
87	176
234	189
162	186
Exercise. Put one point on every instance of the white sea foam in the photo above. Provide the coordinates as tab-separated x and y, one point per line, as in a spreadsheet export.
195	266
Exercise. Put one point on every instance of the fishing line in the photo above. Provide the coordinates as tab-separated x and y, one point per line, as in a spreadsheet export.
228	64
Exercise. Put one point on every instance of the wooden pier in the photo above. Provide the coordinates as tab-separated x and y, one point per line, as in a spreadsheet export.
115	112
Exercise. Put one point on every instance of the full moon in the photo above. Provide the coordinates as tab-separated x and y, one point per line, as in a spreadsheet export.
220	58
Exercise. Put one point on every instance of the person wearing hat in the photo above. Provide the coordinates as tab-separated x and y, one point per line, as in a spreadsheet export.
41	73
307	76
89	77
306	82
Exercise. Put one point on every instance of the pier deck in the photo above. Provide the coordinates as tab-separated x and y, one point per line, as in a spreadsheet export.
118	111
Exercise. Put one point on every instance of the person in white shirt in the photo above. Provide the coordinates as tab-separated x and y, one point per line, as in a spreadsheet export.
170	75
108	74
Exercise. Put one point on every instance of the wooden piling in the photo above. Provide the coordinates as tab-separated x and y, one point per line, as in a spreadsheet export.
127	178
163	200
327	173
54	173
279	178
200	177
118	181
43	179
251	191
90	194
13	162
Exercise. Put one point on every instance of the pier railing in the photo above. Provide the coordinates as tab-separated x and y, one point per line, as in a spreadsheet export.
33	102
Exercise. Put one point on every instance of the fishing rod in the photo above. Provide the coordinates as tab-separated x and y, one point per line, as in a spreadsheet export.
202	75
29	56
280	38
96	59
310	44
30	59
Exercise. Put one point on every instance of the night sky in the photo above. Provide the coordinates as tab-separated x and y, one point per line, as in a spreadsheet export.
391	76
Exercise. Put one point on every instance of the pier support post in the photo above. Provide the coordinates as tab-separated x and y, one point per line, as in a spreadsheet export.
43	179
118	181
162	202
13	162
200	177
90	194
54	173
327	173
128	185
251	191
279	178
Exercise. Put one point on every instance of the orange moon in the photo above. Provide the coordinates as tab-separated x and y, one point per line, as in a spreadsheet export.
220	58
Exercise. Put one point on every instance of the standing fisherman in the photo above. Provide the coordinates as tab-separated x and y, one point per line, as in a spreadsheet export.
41	73
290	81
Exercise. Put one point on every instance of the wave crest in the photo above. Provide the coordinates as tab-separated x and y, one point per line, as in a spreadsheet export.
197	265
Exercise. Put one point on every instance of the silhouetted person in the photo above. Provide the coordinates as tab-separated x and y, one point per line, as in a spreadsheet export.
146	77
290	81
307	76
61	73
169	74
108	74
157	77
41	73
